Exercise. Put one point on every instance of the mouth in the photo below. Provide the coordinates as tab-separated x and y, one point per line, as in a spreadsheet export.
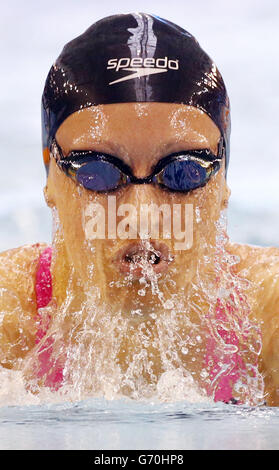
142	259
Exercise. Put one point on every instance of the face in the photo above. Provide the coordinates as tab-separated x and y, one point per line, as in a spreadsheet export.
133	255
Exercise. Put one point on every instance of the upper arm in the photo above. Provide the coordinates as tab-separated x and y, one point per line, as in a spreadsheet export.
261	267
269	315
17	303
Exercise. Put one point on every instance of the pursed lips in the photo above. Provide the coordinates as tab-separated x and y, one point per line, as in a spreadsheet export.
140	258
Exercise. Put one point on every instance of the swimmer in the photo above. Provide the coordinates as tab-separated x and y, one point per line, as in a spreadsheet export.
135	113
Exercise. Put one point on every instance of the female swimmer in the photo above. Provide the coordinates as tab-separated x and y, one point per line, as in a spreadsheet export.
135	114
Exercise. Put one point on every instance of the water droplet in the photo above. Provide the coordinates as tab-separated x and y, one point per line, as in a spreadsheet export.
168	304
141	292
184	350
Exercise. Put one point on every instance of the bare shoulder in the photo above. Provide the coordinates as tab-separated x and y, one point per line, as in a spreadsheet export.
260	266
255	262
18	268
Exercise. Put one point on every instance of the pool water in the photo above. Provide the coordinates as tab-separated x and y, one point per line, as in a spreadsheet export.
119	424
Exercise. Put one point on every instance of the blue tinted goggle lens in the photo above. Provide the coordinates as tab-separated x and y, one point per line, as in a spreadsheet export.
183	175
179	175
99	176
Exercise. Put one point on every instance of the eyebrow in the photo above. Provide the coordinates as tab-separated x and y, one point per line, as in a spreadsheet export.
110	147
205	154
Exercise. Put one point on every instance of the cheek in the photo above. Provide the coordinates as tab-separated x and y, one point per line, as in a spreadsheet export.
68	204
206	205
71	202
70	218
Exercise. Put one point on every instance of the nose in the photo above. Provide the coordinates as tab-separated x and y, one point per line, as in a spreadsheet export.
141	193
148	254
146	202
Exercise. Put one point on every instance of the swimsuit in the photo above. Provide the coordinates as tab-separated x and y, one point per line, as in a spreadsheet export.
48	367
223	373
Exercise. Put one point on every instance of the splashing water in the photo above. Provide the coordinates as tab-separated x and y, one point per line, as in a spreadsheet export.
199	347
235	340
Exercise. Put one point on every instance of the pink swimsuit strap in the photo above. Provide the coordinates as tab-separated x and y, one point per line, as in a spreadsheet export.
229	371
43	285
48	366
225	373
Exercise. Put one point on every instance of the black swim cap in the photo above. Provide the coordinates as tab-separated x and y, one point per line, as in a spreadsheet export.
133	57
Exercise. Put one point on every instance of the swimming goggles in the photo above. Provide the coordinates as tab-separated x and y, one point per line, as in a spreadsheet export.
100	172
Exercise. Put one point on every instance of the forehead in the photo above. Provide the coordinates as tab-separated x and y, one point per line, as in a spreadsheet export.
155	128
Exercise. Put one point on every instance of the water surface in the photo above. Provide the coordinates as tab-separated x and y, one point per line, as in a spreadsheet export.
120	424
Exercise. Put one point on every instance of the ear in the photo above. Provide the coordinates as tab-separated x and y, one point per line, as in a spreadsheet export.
226	196
48	198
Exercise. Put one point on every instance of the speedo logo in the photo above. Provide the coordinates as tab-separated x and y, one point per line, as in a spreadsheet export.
141	67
